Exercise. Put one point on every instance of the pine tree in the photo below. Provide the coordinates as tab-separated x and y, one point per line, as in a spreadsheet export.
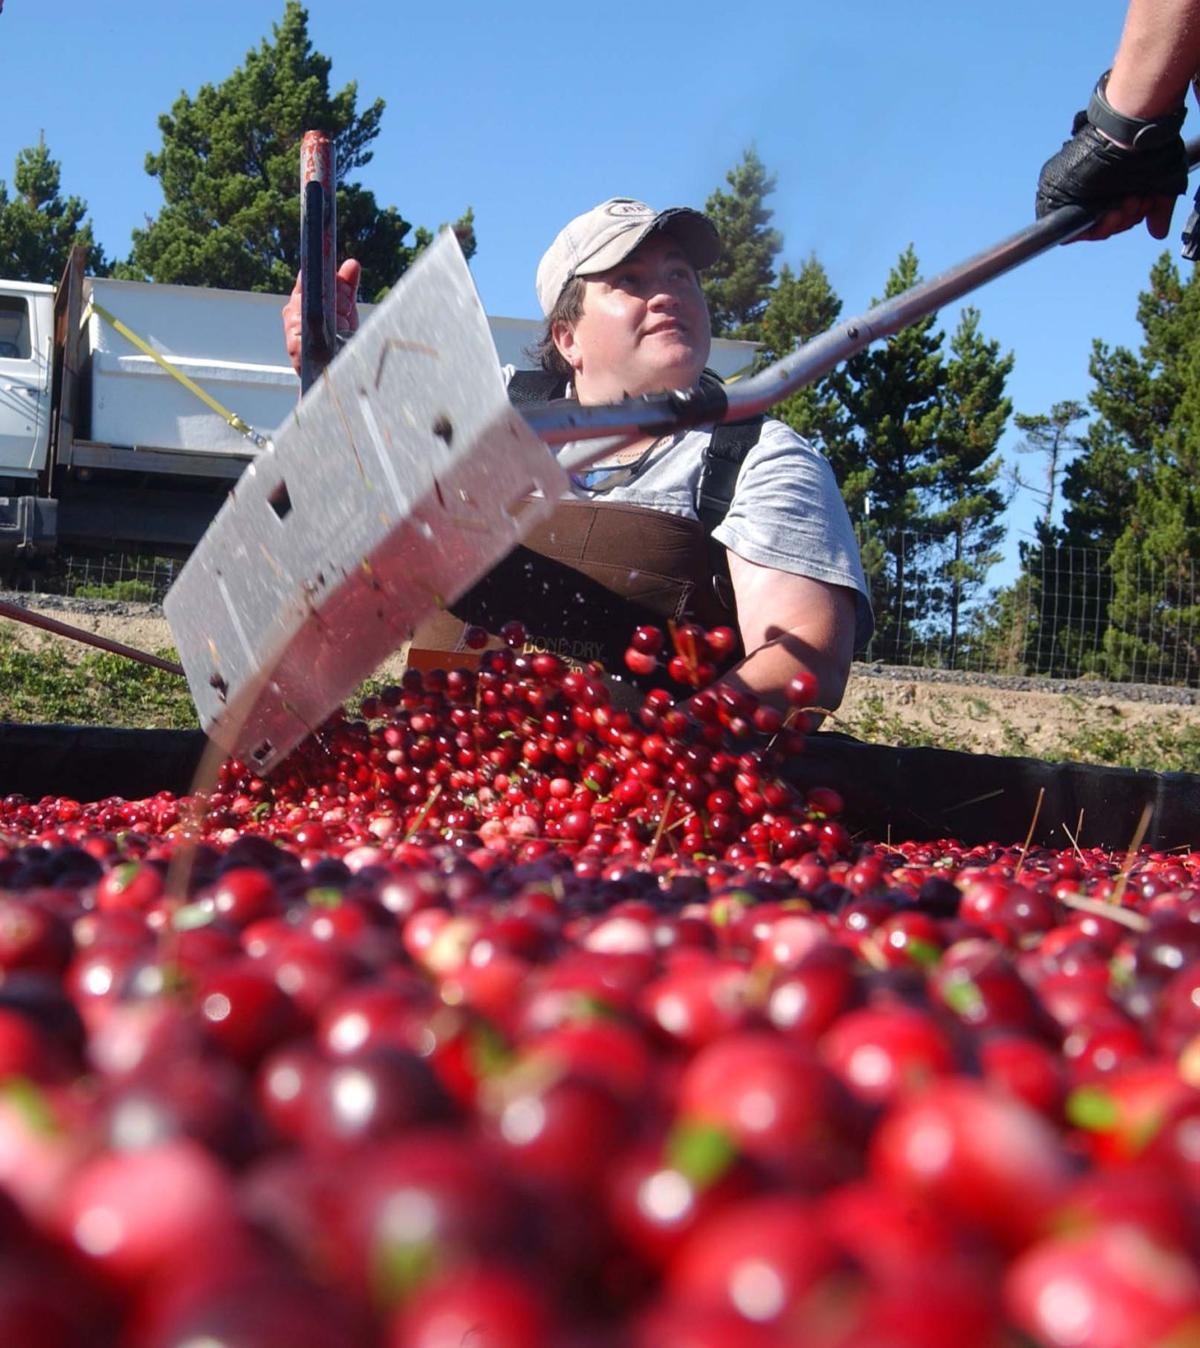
38	226
229	171
1154	625
802	305
1097	489
974	413
1154	619
1147	433
892	396
1134	398
737	287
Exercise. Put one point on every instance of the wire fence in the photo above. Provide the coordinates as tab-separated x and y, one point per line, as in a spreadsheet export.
129	577
1070	613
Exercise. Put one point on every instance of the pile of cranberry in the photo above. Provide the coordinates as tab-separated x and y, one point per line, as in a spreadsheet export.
502	1018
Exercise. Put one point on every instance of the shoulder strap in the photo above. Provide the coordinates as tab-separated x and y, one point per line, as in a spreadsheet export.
723	458
535	386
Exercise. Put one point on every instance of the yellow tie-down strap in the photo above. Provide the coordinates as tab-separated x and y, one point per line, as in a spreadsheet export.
242	427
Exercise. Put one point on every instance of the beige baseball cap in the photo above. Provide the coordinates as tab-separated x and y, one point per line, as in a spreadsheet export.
608	233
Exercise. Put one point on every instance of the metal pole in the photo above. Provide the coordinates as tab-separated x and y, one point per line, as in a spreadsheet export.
656	414
24	615
318	253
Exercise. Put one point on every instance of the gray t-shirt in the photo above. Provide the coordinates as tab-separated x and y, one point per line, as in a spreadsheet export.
786	512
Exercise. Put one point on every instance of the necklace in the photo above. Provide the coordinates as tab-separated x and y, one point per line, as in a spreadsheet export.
602	477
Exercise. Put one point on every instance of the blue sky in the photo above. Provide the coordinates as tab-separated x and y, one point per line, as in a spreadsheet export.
885	124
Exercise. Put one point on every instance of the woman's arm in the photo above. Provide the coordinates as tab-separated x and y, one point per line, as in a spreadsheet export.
790	624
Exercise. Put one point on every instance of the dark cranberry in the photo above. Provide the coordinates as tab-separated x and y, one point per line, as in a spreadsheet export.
45	1002
369	1096
938	897
252	850
1169	946
243	1011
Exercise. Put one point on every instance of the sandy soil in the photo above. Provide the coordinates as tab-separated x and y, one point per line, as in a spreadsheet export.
136	625
880	705
1001	720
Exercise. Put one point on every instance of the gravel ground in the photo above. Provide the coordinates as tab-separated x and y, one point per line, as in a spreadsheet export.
1014	683
116	608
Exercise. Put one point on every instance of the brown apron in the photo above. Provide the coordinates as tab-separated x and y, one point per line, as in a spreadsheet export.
583	580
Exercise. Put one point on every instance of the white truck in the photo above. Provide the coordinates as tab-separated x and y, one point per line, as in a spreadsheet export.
103	447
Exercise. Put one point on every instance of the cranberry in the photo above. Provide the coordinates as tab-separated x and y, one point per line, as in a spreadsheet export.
115	1214
881	1053
244	1012
775	1236
243	894
809	998
987	1159
1108	1287
130	885
777	1103
370	1096
493	1305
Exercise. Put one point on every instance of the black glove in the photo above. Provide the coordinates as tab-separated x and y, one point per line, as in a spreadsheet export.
1090	170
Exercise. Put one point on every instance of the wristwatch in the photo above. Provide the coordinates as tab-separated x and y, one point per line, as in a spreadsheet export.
1137	133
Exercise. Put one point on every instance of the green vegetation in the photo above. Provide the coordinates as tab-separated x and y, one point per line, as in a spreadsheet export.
38	225
1118	596
738	285
1014	742
1163	746
880	724
46	686
98	689
229	170
875	723
132	591
978	708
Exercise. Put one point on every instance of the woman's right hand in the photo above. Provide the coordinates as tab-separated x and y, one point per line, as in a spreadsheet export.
347	308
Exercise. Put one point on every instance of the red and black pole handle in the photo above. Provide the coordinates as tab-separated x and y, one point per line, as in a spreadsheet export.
318	256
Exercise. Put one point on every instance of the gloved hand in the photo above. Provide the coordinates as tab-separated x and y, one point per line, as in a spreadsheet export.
1091	170
347	309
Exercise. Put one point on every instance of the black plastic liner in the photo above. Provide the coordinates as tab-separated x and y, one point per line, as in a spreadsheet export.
91	762
941	793
890	793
